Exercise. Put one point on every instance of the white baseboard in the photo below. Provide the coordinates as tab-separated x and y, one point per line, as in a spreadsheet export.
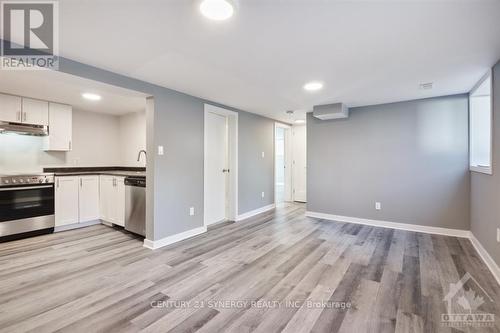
485	256
393	225
76	225
254	212
153	245
488	260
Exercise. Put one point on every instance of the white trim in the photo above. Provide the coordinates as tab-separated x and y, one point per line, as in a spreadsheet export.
76	225
392	225
476	168
485	256
288	162
481	169
488	260
153	245
232	118
254	212
278	124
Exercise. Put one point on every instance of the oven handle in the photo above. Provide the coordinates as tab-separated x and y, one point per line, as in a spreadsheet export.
25	188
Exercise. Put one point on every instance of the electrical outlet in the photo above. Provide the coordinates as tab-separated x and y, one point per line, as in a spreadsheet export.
191	211
498	235
263	154
263	194
378	206
160	150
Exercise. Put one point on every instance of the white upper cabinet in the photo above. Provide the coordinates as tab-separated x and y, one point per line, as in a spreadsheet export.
35	112
10	108
60	128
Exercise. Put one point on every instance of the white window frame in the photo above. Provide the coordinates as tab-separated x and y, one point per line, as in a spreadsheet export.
475	168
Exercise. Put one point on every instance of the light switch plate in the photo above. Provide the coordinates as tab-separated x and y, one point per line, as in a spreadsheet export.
263	154
498	235
191	211
378	206
160	150
263	194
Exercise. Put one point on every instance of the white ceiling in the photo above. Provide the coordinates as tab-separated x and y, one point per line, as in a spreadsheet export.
64	88
366	52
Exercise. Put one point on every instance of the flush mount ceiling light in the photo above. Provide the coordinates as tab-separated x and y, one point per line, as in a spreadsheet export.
313	86
217	10
91	97
300	121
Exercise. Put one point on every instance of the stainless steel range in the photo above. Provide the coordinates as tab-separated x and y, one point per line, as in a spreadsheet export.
26	205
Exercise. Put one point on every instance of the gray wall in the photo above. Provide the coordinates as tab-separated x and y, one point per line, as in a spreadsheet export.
255	174
410	156
175	180
485	189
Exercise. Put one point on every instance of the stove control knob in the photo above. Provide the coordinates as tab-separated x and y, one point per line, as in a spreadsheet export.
40	180
6	181
21	180
14	181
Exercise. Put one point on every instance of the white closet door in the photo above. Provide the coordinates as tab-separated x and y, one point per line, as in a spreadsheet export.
216	163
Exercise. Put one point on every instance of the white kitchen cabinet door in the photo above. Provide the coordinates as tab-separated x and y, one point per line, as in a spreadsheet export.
35	112
112	199
106	186
119	202
60	128
66	200
10	108
89	198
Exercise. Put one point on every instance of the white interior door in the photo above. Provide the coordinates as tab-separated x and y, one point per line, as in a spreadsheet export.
299	163
216	164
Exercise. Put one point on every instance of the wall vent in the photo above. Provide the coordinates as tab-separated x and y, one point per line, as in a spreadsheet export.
426	86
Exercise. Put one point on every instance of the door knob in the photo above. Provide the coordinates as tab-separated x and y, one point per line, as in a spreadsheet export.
225	170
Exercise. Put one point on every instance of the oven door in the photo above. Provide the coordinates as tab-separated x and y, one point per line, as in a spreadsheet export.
26	208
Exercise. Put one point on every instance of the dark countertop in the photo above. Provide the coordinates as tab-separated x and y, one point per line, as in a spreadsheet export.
84	171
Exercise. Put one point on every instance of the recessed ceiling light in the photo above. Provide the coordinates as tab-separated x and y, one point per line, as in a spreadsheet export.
313	86
91	97
217	10
300	121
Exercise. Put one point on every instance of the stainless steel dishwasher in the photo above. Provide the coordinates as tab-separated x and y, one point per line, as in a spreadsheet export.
135	205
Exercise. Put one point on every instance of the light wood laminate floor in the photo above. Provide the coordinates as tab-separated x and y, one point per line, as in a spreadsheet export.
99	279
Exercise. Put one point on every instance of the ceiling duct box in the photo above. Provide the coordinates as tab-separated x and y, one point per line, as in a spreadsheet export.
331	111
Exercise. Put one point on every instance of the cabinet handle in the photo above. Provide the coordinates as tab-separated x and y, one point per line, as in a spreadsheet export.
24	116
57	182
81	183
18	115
69	144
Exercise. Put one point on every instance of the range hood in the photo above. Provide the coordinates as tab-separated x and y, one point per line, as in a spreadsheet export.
23	129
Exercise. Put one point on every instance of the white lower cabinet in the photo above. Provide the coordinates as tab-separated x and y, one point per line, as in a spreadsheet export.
89	198
112	199
76	199
66	202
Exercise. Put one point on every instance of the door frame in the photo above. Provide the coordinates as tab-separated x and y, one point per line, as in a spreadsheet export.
232	137
288	161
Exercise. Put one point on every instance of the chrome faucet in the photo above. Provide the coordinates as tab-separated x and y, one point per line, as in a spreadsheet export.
139	155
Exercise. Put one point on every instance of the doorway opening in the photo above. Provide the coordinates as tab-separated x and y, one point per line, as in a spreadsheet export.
282	164
220	165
